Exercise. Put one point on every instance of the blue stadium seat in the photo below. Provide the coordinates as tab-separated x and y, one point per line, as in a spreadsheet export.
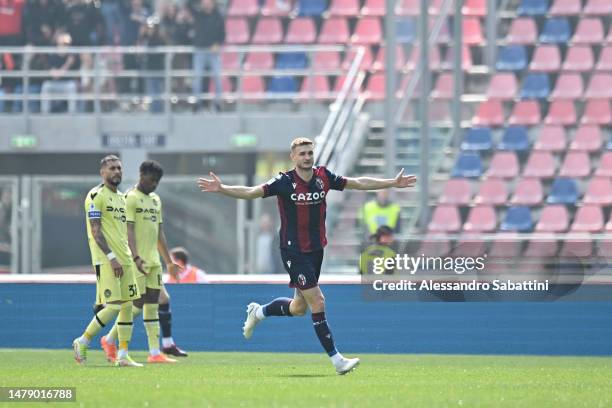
563	191
468	165
477	139
533	8
312	8
517	219
556	31
405	29
535	86
292	60
282	84
514	138
609	145
512	58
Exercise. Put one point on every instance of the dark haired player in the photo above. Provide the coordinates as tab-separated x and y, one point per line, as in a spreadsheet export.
301	202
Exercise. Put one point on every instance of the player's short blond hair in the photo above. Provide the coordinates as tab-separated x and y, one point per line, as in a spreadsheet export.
301	141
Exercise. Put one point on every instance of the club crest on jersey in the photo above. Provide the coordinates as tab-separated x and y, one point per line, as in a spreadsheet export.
319	183
107	293
301	279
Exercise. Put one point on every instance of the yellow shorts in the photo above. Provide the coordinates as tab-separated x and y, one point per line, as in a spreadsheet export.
153	278
111	289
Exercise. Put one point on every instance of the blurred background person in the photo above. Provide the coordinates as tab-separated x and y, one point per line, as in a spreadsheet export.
379	212
381	245
151	35
190	273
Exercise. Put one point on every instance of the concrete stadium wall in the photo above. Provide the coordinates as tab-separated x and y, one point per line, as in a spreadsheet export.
210	317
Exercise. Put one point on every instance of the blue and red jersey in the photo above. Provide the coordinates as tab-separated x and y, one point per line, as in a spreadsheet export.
302	207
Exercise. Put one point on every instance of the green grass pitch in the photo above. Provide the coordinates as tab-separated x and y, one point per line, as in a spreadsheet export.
308	380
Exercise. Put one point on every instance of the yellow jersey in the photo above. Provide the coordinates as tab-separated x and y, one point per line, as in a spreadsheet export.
145	211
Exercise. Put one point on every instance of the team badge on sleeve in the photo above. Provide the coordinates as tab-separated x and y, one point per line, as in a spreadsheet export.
93	212
319	182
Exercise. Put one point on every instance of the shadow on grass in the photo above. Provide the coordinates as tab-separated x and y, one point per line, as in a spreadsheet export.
305	376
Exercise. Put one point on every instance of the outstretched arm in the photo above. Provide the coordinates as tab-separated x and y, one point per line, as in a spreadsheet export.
214	185
371	183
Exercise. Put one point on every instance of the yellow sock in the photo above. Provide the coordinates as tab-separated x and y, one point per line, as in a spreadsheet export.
101	319
151	324
111	337
124	326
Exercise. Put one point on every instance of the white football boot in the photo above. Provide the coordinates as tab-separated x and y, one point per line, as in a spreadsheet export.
346	365
251	320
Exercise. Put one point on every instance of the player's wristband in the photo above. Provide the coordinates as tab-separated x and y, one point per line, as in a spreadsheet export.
111	256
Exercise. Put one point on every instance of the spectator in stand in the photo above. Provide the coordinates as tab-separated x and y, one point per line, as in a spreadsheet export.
60	83
11	27
177	24
41	19
189	273
113	12
209	35
151	35
137	17
84	22
379	212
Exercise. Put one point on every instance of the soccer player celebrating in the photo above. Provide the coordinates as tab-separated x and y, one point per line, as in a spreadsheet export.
301	202
112	259
146	240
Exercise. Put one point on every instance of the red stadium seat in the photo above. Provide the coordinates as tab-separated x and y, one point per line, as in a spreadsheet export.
274	8
546	58
415	55
528	191
366	62
316	86
599	191
243	8
605	58
472	31
588	138
505	245
604	169
525	113
326	60
374	8
588	218
407	7
561	113
492	191
576	164
268	31
542	246
551	138
237	30
434	245
457	192
565	8
253	88
579	58
588	31
301	31
540	164
375	89
435	6
470	244
474	8
379	63
444	87
554	218
466	58
343	8
258	61
502	86
334	31
481	218
598	8
226	84
597	111
230	61
522	31
579	246
489	113
568	86
445	218
367	32
504	164
600	86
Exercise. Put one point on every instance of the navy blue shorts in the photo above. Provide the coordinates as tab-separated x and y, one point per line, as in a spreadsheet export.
303	268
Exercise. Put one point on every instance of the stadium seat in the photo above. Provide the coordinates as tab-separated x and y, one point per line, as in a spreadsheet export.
556	31
561	112
444	87
532	8
518	219
540	164
600	86
334	31
477	138
472	31
301	31
468	165
434	245
503	165
282	84
512	58
588	138
405	30
415	55
579	246
226	86
489	113
522	31
502	86
466	58
252	88
292	60
274	8
481	218
349	57
576	164
435	6
407	7
579	58
456	192
379	62
536	85
243	8
565	8
316	86
492	191
375	88
445	218
599	191
588	218
367	32
568	86
554	218
258	61
604	168
597	111
343	8
470	244
546	58
230	61
373	8
311	8
506	245
605	59
525	113
609	144
237	31
589	31
474	8
514	138
551	138
598	8
326	60
541	246
528	191
563	191
268	31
